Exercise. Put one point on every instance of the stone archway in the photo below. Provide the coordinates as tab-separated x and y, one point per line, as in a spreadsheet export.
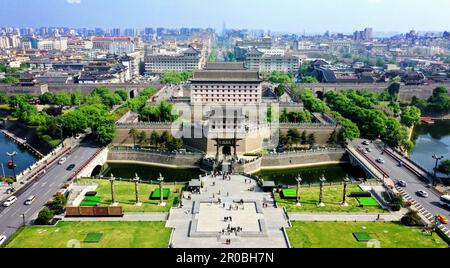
226	150
320	95
97	171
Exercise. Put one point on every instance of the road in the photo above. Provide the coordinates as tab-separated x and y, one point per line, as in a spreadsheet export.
414	184
44	189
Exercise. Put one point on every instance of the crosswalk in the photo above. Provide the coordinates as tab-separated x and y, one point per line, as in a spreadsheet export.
422	211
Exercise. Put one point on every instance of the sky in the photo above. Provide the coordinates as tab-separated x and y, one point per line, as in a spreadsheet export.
295	16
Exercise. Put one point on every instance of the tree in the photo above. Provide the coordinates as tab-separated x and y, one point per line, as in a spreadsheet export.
142	138
59	202
280	90
294	134
411	218
45	216
411	116
312	139
304	138
151	113
310	80
444	167
3	98
105	131
394	90
154	138
9	80
164	139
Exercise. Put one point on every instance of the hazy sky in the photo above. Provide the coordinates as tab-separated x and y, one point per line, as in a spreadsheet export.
277	15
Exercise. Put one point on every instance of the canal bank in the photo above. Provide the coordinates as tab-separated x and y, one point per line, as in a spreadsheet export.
23	158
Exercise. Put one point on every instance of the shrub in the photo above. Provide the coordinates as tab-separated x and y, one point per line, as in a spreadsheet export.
45	216
411	218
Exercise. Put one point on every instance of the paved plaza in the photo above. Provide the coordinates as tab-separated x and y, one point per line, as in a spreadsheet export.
236	210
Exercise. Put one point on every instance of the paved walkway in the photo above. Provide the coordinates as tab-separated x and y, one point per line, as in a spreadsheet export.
127	217
187	222
345	217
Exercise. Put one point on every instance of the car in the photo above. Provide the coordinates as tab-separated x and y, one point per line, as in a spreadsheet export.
369	150
2	239
62	160
10	201
30	200
400	164
71	167
78	136
442	219
10	190
423	194
366	143
381	160
402	183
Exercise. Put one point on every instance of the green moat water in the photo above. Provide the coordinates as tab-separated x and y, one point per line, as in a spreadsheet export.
333	173
429	140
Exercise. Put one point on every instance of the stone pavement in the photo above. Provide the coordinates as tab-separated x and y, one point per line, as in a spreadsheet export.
126	217
199	224
393	217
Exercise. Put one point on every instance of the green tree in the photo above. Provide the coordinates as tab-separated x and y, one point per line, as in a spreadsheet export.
312	139
3	98
154	138
105	131
411	116
142	138
444	167
310	80
9	80
304	138
280	90
294	135
411	218
45	216
133	133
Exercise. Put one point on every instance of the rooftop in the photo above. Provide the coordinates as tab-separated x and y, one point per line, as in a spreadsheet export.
225	72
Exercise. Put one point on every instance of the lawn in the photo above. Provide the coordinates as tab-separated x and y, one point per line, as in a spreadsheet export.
125	195
309	198
340	235
114	235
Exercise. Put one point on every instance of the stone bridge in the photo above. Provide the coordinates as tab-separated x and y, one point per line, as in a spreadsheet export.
93	165
358	158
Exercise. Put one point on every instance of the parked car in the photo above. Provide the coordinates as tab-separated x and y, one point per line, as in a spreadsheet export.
402	183
366	143
30	200
442	219
62	160
369	150
381	160
10	201
71	167
2	239
423	194
10	190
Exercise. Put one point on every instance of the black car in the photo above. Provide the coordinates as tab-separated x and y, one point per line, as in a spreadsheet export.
71	167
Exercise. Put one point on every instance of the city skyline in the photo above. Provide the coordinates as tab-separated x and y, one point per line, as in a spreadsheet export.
175	14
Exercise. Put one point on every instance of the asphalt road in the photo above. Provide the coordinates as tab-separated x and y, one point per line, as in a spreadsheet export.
44	188
414	184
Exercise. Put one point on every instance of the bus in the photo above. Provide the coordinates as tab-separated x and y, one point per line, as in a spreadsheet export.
445	200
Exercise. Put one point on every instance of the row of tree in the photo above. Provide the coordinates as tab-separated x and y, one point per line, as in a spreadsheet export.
294	138
165	141
174	77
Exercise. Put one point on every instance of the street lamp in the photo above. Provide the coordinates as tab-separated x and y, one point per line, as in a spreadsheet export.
437	158
344	198
299	181
322	181
161	194
23	219
113	192
61	133
136	188
12	164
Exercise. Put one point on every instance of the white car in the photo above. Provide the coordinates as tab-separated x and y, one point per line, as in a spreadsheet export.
422	194
366	143
2	239
381	160
402	183
30	200
369	150
10	201
62	160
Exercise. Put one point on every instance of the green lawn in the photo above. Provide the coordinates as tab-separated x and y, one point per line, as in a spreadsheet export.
309	198
125	195
115	235
340	235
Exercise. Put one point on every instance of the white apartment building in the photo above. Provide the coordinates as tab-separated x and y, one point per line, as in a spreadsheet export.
265	63
226	83
59	44
114	45
184	60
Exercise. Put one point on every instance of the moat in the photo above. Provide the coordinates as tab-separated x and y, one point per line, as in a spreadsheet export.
333	173
23	159
429	140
